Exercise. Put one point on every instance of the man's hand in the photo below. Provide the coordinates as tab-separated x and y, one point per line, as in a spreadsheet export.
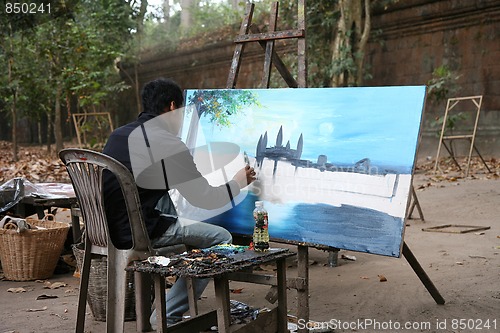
245	176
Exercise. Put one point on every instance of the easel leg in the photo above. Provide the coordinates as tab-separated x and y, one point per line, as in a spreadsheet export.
303	294
422	275
414	204
452	155
481	157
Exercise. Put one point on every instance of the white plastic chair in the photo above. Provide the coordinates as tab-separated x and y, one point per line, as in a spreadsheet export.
85	168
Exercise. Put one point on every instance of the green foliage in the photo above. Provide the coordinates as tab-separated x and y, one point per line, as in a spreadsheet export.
442	84
451	122
95	130
220	105
210	16
75	48
440	87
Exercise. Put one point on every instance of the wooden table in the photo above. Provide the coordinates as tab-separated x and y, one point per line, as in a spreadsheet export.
273	321
60	195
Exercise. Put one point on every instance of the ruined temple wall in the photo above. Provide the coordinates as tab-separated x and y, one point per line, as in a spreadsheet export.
419	36
409	40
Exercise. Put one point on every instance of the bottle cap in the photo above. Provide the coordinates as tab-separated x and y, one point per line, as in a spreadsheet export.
259	203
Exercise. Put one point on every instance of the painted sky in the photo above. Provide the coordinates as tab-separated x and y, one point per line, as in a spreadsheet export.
346	124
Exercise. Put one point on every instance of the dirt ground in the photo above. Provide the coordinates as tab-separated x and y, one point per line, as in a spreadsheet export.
465	268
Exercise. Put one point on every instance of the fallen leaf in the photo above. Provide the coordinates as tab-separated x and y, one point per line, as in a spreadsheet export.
54	285
364	277
16	290
348	257
46	297
236	291
382	278
459	263
35	310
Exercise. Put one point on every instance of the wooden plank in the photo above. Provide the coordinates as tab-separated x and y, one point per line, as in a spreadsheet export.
266	322
199	323
142	283
161	308
303	295
302	46
469	228
282	301
452	137
266	36
193	304
238	51
222	301
268	58
278	63
270	280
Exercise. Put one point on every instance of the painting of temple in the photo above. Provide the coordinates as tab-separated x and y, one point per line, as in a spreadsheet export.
334	165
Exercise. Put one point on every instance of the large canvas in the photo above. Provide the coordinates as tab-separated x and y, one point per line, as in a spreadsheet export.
334	165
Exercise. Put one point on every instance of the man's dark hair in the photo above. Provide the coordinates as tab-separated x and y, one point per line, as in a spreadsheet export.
158	94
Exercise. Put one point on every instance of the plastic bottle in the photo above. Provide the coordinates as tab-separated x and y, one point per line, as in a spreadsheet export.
260	231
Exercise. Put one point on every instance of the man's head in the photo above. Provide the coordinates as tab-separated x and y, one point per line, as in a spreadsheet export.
161	95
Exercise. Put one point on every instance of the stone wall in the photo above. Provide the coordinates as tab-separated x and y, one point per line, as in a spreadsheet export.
464	35
409	40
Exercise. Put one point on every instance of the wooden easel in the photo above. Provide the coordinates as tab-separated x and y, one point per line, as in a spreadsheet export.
452	102
81	119
266	40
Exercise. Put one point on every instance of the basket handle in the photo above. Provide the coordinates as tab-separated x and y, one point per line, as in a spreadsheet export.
49	218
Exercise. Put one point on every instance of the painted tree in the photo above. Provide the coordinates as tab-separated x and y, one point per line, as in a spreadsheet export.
219	106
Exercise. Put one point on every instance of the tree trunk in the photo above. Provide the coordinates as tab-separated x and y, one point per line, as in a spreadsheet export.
166	11
341	42
39	127
49	134
360	60
235	4
350	43
137	90
57	120
186	15
13	110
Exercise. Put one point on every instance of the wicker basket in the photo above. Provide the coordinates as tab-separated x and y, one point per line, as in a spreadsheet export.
97	290
34	253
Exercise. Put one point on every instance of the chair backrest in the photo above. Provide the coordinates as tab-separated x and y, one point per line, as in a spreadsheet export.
85	168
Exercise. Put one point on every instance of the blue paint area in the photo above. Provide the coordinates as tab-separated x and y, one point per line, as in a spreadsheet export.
347	227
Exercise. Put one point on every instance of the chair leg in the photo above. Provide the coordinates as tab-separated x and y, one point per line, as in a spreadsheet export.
117	284
82	295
